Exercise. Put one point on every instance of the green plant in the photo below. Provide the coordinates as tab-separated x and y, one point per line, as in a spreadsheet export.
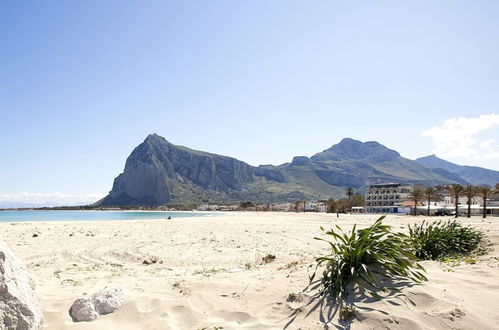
358	257
268	258
292	297
292	264
347	312
439	239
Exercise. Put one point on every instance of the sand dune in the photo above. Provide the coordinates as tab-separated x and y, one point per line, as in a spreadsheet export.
207	273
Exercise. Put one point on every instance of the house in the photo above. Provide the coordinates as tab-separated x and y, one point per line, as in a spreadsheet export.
319	206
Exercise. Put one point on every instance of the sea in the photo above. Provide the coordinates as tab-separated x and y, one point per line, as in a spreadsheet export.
42	216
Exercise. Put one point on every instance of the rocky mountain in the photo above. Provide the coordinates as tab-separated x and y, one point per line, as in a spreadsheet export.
158	172
473	174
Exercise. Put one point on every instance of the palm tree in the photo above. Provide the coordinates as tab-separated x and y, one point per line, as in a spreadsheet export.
416	195
456	191
470	192
485	192
349	192
430	193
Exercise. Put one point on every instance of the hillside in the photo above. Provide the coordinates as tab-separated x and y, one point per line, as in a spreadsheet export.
158	172
473	174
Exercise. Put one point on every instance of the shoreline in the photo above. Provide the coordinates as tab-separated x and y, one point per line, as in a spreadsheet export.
23	216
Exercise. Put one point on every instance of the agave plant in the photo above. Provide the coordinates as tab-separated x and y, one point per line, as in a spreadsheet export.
359	258
442	239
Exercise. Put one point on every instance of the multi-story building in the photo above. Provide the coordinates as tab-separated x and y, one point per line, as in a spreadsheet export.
387	198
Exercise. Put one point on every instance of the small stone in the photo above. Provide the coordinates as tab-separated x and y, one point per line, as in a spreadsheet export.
105	301
83	310
109	300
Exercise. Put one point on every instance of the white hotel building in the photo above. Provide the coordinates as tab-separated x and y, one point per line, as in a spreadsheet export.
387	198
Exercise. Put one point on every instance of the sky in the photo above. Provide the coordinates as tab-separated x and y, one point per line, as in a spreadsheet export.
84	82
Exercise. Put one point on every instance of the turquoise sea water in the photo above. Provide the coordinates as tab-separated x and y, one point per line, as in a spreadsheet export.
22	216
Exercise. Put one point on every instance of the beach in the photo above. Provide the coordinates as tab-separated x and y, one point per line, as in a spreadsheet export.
210	273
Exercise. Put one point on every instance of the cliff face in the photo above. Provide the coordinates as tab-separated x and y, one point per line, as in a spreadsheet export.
158	172
156	167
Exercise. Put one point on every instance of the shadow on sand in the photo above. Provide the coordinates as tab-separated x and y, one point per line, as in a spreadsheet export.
328	308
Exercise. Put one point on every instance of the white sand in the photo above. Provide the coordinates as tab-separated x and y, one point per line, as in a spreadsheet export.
202	280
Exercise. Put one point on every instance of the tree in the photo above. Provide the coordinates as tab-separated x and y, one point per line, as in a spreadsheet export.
416	195
469	192
485	192
330	205
456	191
430	193
357	200
297	205
349	192
245	205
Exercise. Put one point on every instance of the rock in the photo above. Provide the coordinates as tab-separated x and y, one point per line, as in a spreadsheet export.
105	301
19	307
83	310
157	166
300	161
108	300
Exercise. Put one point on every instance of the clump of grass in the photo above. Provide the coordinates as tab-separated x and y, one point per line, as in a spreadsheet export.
292	264
268	258
439	239
358	256
292	297
347	312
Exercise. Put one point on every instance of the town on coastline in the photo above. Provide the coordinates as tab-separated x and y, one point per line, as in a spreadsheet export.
395	198
383	198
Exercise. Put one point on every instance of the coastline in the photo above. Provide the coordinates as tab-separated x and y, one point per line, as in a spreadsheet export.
38	216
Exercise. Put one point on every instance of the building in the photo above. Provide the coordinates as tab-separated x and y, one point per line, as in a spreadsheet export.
387	198
358	209
319	206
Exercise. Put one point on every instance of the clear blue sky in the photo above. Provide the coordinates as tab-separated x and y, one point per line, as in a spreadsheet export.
83	82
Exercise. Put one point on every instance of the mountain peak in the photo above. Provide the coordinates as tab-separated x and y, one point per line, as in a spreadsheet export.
354	149
433	161
432	156
154	138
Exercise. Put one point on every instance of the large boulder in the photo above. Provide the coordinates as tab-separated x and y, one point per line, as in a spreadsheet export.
19	307
105	301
